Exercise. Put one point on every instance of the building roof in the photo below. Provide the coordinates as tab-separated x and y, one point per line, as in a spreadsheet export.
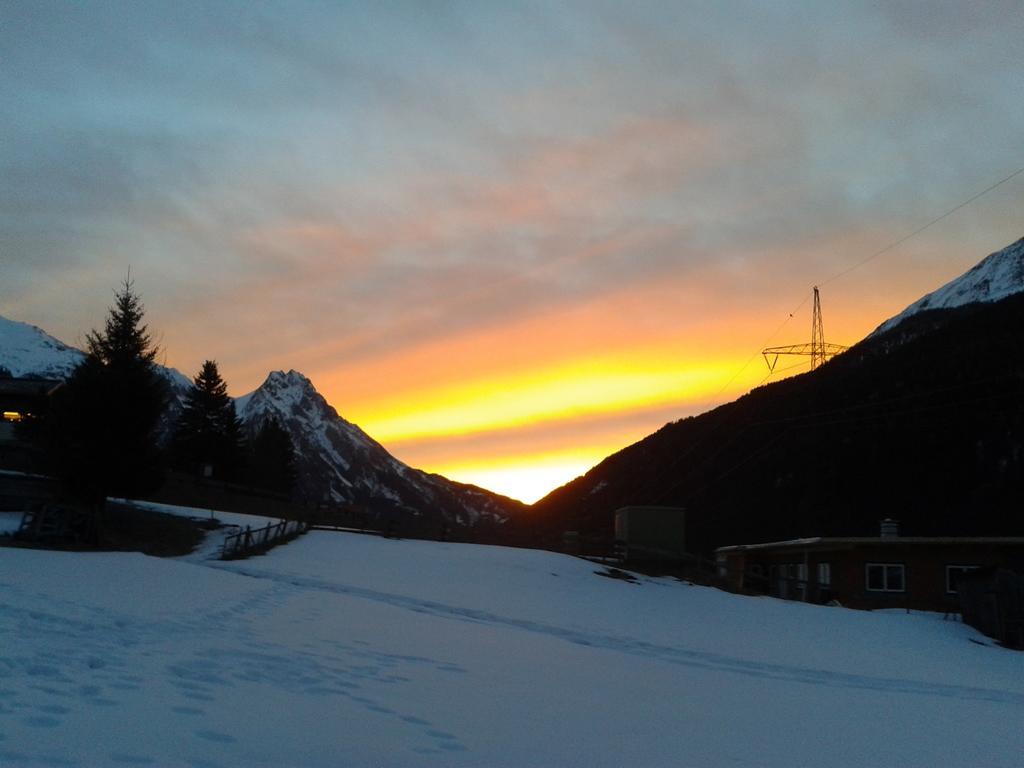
28	387
821	542
651	508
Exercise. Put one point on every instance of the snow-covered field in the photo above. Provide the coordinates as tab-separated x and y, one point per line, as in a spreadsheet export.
348	650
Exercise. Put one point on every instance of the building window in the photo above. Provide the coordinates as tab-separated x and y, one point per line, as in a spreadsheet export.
789	580
885	577
953	574
801	580
824	574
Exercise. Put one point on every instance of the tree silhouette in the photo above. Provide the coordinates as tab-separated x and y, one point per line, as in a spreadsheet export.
272	458
209	433
104	420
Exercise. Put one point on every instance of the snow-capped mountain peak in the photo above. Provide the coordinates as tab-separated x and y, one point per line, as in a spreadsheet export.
291	396
30	351
340	463
291	387
995	277
335	460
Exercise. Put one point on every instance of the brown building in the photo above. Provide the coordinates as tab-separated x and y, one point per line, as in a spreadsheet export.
21	401
651	533
888	571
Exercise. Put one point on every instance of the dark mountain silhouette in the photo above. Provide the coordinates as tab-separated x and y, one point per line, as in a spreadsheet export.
338	463
335	461
923	421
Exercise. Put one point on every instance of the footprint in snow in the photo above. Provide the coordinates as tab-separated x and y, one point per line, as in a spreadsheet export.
197	696
123	686
53	709
221	738
131	759
41	721
188	710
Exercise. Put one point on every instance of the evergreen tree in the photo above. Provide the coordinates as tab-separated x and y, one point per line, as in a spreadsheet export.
209	432
125	343
104	420
272	458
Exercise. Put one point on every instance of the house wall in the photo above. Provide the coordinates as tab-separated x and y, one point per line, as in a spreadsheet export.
16	452
924	570
21	492
652	531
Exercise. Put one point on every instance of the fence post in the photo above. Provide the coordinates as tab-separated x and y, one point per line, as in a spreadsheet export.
246	542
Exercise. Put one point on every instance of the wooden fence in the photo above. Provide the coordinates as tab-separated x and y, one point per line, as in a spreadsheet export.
249	542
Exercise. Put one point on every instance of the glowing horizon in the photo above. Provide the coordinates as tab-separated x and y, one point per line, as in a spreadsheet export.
572	391
528	479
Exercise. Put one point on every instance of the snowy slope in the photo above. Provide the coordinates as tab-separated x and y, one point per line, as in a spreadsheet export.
995	277
340	462
26	350
345	650
29	351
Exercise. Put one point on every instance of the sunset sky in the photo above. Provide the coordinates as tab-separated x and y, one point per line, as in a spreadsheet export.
506	239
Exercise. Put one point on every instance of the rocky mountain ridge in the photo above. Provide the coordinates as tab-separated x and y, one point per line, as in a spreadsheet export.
340	464
337	463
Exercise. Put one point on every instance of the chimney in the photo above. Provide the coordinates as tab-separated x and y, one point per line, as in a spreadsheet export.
890	528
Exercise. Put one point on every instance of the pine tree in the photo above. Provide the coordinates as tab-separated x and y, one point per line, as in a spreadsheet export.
272	458
104	420
125	343
209	433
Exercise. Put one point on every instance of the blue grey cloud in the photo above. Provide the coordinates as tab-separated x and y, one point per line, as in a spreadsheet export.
383	173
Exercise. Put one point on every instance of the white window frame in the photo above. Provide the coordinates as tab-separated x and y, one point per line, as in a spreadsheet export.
824	574
885	577
963	568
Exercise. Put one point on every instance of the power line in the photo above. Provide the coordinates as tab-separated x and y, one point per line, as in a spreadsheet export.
861	263
768	341
782	370
919	230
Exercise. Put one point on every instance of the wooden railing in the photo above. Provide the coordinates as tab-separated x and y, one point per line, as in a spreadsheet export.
249	542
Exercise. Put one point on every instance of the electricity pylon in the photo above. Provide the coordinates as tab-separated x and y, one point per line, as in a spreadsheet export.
819	349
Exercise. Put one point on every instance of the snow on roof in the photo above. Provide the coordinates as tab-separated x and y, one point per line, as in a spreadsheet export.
838	541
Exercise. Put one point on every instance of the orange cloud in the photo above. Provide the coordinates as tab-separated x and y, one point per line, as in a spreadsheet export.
477	326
